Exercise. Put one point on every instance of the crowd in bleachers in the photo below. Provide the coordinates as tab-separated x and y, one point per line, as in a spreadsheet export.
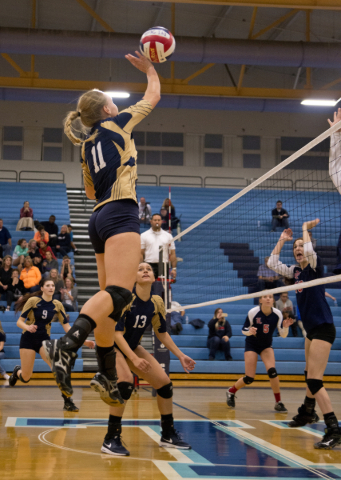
47	255
145	214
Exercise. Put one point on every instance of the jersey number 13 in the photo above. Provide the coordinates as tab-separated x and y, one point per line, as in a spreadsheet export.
143	324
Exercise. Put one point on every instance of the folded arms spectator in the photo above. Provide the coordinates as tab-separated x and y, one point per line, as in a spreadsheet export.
219	334
279	217
26	218
5	239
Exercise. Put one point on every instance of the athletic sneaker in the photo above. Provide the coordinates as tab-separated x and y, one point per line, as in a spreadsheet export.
230	399
69	406
173	440
279	407
14	377
113	446
331	439
302	418
107	389
61	363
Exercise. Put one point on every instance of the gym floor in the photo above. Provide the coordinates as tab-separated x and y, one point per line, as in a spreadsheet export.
40	441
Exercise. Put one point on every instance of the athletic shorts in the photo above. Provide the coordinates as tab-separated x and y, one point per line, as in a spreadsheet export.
31	341
255	348
120	216
325	332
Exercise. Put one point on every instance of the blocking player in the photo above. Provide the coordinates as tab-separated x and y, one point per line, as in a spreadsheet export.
38	310
144	310
259	327
318	322
110	174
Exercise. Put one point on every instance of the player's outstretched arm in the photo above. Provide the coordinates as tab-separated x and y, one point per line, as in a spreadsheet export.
153	92
186	362
138	362
335	152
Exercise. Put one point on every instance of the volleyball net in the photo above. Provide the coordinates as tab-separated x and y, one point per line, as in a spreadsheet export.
224	253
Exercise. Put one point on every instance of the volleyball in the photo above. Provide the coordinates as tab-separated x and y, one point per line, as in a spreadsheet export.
157	44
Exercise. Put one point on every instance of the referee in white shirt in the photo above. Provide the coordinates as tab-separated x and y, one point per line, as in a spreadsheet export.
152	240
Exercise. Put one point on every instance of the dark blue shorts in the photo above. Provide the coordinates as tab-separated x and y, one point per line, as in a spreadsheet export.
32	341
120	216
256	348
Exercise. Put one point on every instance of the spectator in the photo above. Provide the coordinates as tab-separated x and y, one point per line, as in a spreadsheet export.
279	217
174	219
69	296
58	282
48	263
41	235
33	250
19	254
312	239
6	279
66	270
151	240
26	218
43	249
37	262
52	229
267	278
145	211
2	352
164	219
219	334
5	239
63	242
31	276
73	246
177	319
17	286
284	305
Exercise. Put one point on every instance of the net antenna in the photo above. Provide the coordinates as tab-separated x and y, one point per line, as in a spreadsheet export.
222	251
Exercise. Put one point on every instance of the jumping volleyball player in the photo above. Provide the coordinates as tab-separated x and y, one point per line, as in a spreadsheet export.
318	322
38	310
110	173
259	327
144	310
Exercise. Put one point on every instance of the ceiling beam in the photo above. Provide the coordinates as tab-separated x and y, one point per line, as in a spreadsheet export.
176	88
310	4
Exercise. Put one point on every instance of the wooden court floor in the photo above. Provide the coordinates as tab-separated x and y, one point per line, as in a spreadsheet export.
40	441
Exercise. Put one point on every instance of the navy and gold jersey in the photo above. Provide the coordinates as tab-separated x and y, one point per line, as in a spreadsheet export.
2	334
109	162
138	315
265	325
39	312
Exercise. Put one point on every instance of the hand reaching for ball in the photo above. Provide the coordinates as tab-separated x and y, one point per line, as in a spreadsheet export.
140	62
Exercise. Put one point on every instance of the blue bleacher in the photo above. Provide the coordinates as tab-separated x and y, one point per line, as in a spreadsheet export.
192	204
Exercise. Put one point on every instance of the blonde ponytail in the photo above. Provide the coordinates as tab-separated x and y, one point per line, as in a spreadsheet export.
89	111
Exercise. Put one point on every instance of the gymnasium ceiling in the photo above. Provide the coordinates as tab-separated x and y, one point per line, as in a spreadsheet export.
295	21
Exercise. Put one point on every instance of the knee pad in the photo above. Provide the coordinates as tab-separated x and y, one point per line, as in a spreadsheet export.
166	391
126	389
121	297
314	385
248	380
272	373
22	380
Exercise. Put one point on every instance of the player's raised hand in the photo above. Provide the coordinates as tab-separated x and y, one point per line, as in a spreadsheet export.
337	118
286	235
187	363
140	61
142	364
310	224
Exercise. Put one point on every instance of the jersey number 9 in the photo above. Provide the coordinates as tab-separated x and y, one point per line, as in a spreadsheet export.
98	163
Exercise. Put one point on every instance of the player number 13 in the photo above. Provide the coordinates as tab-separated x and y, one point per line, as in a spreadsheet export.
99	162
143	319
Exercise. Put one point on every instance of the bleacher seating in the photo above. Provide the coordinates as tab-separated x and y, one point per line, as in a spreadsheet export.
45	199
193	204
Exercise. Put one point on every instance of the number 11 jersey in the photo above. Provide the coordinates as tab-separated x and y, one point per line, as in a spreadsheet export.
138	315
109	161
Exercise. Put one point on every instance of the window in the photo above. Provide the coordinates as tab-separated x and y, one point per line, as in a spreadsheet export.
213	159
251	142
251	160
316	159
156	148
213	150
213	141
12	144
153	157
52	144
172	158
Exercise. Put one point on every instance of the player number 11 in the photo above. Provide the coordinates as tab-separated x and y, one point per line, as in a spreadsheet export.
101	161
